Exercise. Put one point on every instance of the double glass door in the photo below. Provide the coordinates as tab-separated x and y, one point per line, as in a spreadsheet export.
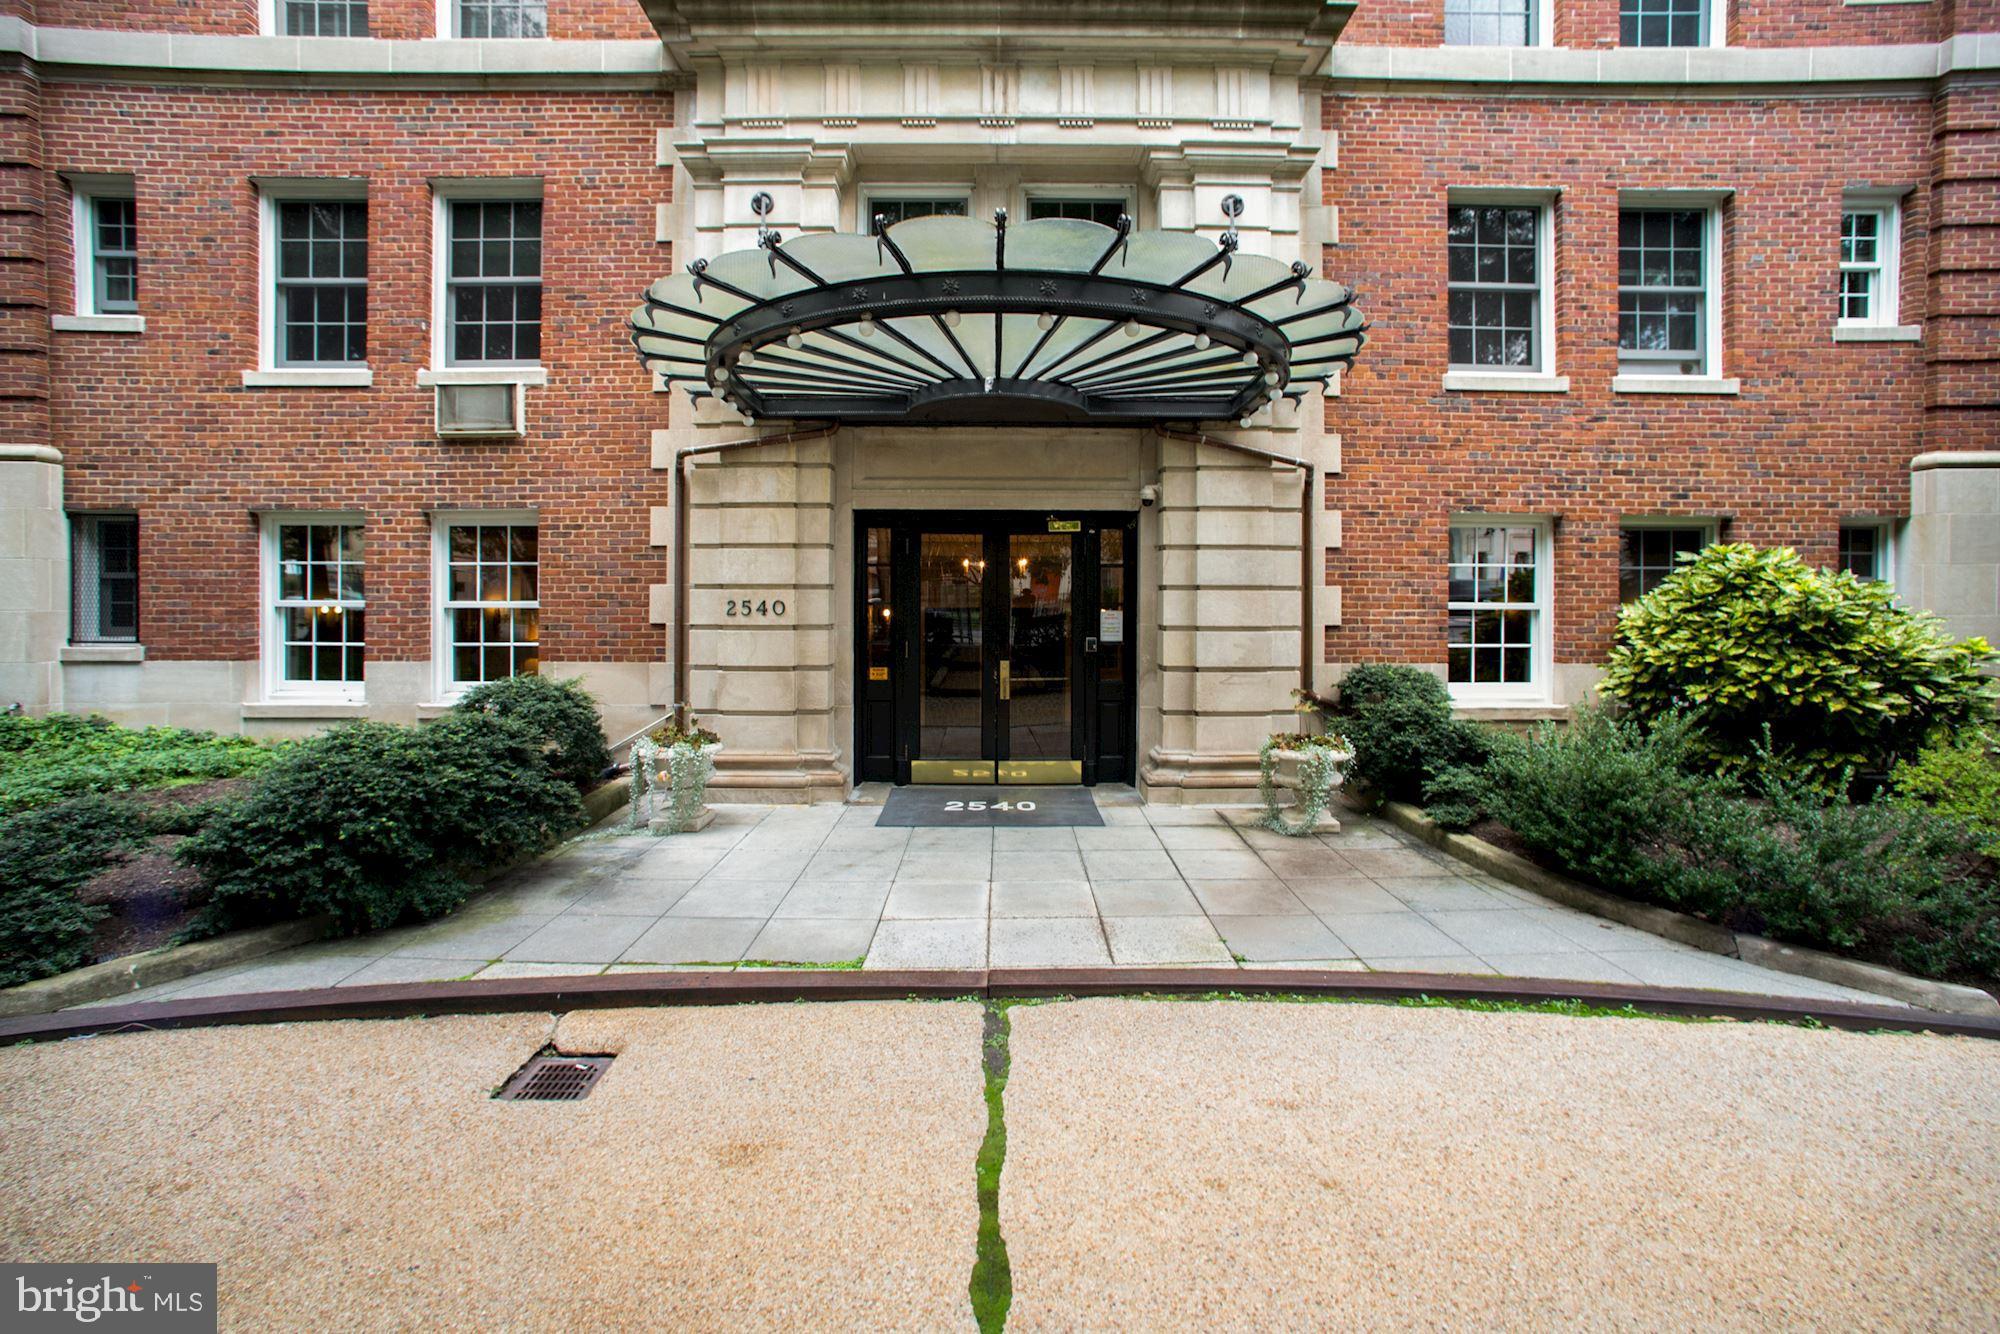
990	648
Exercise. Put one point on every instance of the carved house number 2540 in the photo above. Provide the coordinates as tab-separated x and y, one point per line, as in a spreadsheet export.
758	607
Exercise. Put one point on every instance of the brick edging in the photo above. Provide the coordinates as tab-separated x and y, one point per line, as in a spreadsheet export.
1943	997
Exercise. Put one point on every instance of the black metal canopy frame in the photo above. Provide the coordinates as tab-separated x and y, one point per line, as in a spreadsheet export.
956	321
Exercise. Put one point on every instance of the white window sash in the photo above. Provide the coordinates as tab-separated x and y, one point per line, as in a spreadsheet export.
1539	689
276	687
443	632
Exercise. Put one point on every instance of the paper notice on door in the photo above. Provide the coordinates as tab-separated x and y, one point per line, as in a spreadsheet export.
1111	625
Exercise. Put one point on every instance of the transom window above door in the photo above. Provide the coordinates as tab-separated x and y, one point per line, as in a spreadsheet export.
1102	210
895	208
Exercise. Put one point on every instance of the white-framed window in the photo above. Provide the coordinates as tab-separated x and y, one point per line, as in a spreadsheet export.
320	18
1651	549
894	204
489	274
106	218
1870	261
1868	549
1101	207
315	608
495	18
1672	22
1670	289
1499	267
1497	636
1497	23
314	276
104	578
487	572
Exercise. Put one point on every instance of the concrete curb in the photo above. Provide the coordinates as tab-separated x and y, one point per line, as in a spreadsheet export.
560	995
101	981
1942	997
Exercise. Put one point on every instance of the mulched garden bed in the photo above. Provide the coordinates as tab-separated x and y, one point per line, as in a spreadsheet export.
151	897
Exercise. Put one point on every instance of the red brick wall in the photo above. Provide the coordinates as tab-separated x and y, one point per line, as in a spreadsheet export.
1820	431
391	19
162	424
1594	23
1963	337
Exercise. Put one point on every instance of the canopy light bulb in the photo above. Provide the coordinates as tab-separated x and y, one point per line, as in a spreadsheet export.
1045	321
795	340
747	357
867	326
1200	342
951	319
1243	421
1271	378
1131	328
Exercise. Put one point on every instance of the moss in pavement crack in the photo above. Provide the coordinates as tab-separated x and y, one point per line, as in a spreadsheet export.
992	1286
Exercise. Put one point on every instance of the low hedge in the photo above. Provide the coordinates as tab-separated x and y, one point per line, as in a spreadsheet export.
562	713
377	824
46	855
1639	810
1407	745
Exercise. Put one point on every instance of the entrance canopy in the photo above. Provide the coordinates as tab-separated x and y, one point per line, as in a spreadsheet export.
947	320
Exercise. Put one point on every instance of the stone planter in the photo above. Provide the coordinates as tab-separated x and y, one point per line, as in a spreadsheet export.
1285	777
664	785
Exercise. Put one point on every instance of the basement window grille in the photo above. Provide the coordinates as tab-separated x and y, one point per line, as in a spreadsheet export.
104	564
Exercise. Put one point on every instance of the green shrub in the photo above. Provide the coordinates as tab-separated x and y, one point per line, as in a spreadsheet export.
44	760
45	856
1599	796
1844	677
1959	779
1400	722
1635	809
378	824
562	713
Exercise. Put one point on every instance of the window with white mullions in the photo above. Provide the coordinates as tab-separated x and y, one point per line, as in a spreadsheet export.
1495	591
114	254
1493	277
893	209
494	280
1864	550
1648	554
326	18
1663	289
318	606
492	601
322	281
1489	23
1663	23
104	573
502	18
1863	247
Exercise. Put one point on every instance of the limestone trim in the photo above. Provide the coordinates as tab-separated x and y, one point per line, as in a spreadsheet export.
1806	68
1963	458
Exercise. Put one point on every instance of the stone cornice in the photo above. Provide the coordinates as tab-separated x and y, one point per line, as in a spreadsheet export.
1804	68
183	57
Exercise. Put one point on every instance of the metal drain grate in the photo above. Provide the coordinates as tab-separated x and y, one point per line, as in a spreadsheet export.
553	1077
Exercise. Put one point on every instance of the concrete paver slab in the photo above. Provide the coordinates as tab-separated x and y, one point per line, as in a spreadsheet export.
1151	940
732	898
835	898
1042	898
1368	934
1047	942
937	898
580	938
694	940
813	939
1248	898
1272	939
939	942
1145	898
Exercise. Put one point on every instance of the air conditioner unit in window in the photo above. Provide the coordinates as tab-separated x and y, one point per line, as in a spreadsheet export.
481	409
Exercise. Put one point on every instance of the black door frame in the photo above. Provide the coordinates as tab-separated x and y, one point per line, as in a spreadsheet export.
895	702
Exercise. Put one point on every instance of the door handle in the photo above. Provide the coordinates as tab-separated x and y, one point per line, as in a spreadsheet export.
1006	679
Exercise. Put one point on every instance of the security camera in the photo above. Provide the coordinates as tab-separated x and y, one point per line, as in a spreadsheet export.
1148	494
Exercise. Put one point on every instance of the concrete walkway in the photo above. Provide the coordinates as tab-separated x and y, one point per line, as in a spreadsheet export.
1208	1165
1157	885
